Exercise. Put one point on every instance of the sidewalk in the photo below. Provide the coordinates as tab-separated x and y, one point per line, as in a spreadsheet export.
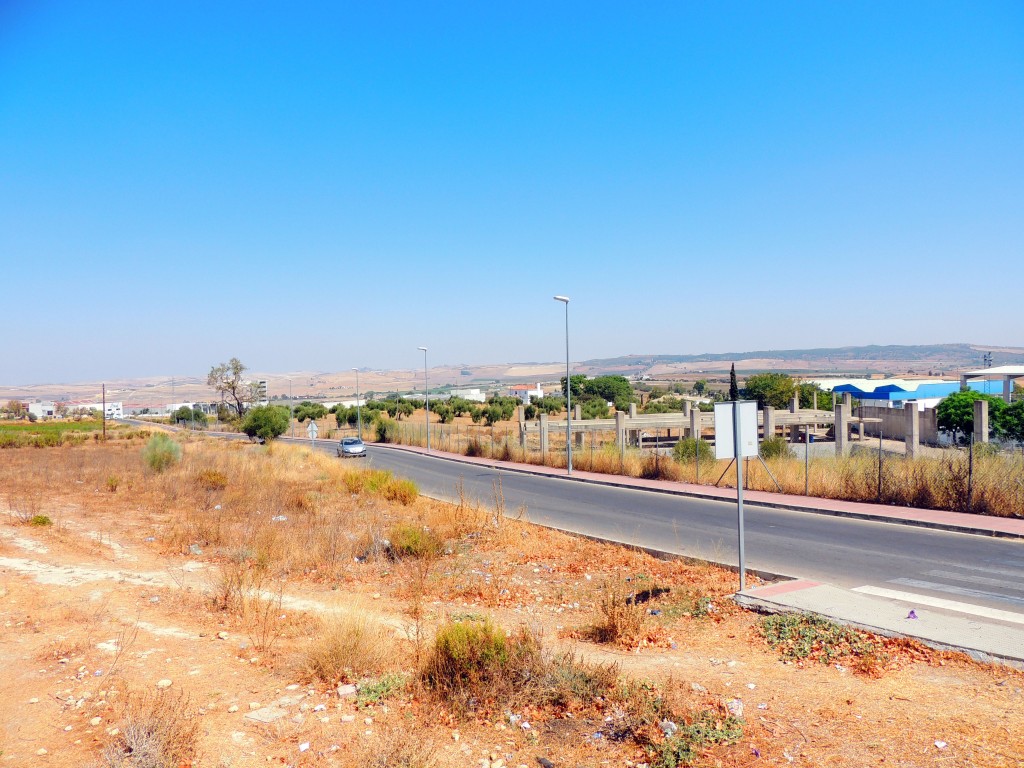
959	522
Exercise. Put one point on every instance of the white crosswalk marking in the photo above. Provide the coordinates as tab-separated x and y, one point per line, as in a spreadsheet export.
939	602
972	579
955	590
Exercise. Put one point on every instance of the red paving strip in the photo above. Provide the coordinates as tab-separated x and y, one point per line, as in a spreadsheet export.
928	518
784	587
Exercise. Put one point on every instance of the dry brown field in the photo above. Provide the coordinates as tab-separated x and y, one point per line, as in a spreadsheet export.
254	606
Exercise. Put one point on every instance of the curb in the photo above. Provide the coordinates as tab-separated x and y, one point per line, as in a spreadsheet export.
867	516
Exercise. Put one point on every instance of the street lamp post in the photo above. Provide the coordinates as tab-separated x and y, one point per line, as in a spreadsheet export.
568	391
426	394
359	415
291	407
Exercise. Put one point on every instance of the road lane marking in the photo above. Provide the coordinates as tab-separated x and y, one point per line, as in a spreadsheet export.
971	579
954	590
938	602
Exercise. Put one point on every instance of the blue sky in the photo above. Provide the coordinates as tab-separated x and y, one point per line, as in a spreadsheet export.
324	186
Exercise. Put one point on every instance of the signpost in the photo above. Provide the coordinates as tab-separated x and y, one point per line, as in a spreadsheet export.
736	439
312	430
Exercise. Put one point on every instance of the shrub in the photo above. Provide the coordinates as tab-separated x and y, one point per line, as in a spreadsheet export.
687	448
212	480
40	520
570	681
401	490
266	422
113	481
689	742
159	731
347	647
376	691
408	540
387	431
161	452
475	661
775	447
620	617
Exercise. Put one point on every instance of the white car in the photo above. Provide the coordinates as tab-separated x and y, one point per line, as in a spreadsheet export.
351	447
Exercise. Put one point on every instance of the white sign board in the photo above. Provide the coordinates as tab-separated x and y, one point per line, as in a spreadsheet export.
312	430
724	447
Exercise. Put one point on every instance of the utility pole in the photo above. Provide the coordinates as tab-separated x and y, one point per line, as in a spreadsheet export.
104	411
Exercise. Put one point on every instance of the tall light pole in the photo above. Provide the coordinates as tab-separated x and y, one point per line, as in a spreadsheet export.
359	415
568	391
291	407
426	394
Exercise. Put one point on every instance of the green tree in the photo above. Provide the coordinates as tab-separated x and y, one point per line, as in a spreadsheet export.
774	389
266	421
734	387
191	415
444	412
700	386
492	414
1012	425
579	383
956	412
309	410
807	390
226	379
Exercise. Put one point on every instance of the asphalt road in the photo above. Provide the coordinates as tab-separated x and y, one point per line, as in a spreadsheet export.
972	569
966	568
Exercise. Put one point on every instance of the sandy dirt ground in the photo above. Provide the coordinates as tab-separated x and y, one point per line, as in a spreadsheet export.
124	596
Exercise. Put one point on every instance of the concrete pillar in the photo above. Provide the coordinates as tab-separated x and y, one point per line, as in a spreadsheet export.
842	428
1007	388
848	402
769	422
577	412
981	421
632	410
912	433
620	428
794	403
687	406
695	423
794	433
814	400
544	433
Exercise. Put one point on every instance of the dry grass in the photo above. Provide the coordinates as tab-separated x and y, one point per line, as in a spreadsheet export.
347	647
620	619
281	530
158	730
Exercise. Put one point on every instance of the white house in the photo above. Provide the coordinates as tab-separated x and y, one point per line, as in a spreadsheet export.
45	410
525	393
114	410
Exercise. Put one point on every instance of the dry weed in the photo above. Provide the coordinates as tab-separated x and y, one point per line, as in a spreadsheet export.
158	730
347	647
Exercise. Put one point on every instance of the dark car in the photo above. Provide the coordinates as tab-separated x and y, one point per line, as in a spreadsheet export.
351	447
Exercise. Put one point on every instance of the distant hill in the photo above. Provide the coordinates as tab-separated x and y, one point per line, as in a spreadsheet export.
874	357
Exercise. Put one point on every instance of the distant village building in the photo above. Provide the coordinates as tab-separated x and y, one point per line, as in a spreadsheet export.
45	410
114	410
525	392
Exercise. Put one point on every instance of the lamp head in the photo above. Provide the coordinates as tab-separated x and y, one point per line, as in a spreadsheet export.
564	299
